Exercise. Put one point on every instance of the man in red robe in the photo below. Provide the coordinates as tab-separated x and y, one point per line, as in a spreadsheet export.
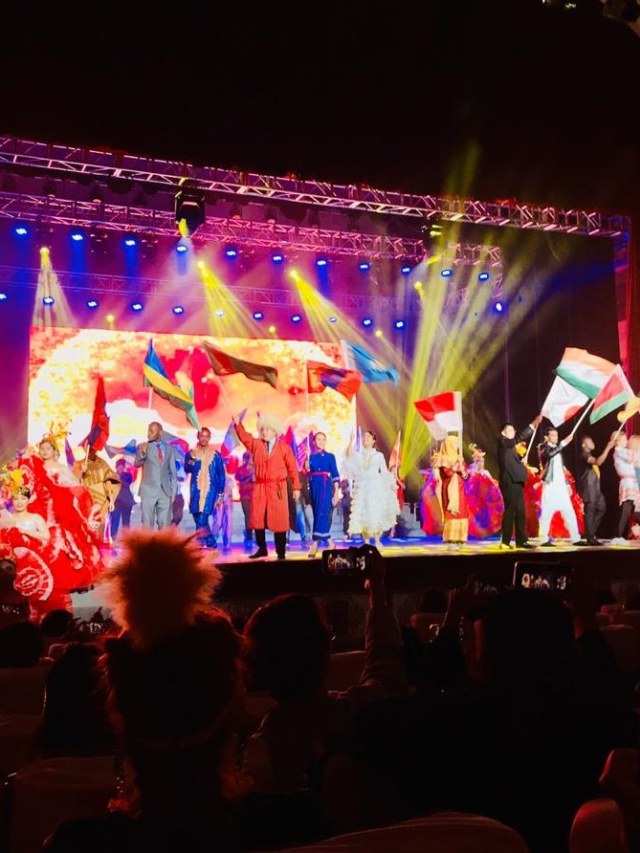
273	462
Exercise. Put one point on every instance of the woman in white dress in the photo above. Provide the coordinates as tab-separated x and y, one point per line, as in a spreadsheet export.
374	501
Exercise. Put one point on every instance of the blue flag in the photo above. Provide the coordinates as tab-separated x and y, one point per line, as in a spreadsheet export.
371	369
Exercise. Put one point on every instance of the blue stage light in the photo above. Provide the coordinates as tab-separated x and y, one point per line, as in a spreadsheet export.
48	301
296	318
3	297
499	307
399	324
367	321
92	303
405	269
130	242
178	309
182	248
77	236
364	266
136	306
322	262
21	230
484	276
333	319
446	273
231	252
277	257
258	315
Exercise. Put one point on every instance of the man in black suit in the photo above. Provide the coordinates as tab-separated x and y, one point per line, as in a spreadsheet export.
512	476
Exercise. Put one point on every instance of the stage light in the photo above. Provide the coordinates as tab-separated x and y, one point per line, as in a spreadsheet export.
272	330
367	321
296	318
92	303
484	276
499	307
189	209
44	251
219	313
446	273
178	309
417	285
77	236
321	262
405	269
181	248
333	319
399	324
231	252
136	306
130	242
3	297
258	315
277	257
21	230
95	194
364	266
48	301
110	318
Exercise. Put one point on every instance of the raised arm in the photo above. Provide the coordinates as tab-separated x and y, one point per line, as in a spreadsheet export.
245	437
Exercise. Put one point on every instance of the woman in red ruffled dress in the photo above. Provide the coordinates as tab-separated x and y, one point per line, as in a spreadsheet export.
70	559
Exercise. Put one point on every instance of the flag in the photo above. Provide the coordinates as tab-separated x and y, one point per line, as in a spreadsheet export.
155	376
129	449
584	371
321	376
68	452
563	402
442	413
395	458
359	439
231	440
226	365
368	365
290	439
633	405
303	453
99	432
615	393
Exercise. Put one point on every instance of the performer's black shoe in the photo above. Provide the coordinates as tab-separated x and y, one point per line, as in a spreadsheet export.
505	546
261	552
580	543
594	542
282	556
548	544
527	545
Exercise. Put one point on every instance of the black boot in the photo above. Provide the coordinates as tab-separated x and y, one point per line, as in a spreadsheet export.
280	540
261	542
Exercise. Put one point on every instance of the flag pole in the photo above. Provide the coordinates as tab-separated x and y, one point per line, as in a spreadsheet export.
582	417
526	455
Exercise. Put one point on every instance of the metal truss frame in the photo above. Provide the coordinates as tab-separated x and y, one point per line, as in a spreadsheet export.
102	165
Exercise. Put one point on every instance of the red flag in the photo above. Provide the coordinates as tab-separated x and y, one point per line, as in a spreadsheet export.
321	376
225	365
442	413
395	458
99	433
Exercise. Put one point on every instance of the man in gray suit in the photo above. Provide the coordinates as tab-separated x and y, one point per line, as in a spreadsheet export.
159	477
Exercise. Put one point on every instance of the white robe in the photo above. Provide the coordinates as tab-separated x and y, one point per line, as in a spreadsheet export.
374	501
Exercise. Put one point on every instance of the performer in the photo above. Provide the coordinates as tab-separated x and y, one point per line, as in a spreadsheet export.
159	477
512	477
484	498
273	461
345	506
624	460
245	476
324	485
589	486
207	485
124	500
555	492
223	514
374	504
449	464
102	482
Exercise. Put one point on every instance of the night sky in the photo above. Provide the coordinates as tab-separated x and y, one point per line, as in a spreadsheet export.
502	99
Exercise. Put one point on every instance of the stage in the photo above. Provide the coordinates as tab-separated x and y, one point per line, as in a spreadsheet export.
412	566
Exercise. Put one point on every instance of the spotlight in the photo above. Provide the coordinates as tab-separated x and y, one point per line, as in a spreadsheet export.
92	303
484	276
110	318
272	330
178	309
136	306
21	230
235	212
322	262
270	215
378	333
333	319
3	297
296	318
399	324
405	269
277	257
258	315
367	321
446	273
130	242
50	188
181	248
499	307
95	194
231	252
364	266
219	313
48	300
189	209
417	285
77	236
